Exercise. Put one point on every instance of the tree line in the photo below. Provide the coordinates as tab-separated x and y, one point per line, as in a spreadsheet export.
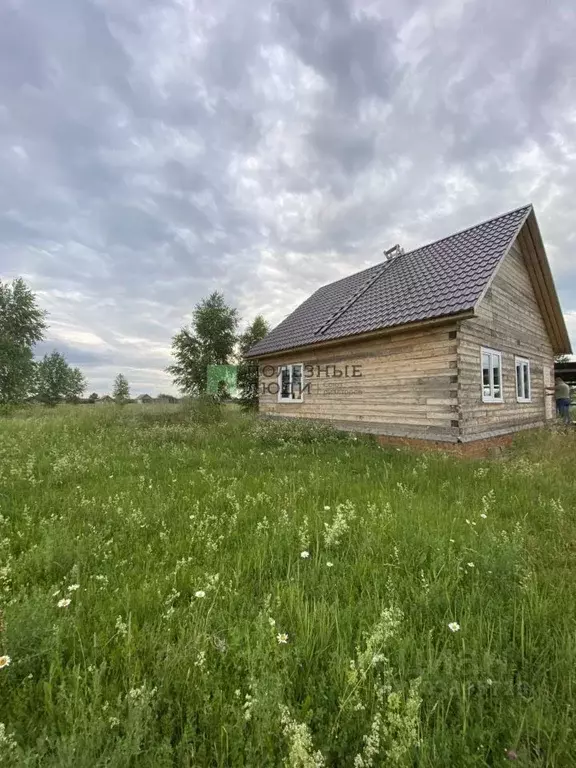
22	326
212	338
52	379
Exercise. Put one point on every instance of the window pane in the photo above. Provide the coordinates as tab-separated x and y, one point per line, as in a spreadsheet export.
496	375
285	386
519	380
526	368
486	375
296	382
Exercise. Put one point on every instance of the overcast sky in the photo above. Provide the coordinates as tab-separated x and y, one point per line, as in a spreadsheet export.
152	151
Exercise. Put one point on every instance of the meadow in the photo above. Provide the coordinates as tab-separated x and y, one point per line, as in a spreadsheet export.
206	589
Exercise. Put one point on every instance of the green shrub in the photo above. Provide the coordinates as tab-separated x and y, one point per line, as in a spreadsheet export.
204	409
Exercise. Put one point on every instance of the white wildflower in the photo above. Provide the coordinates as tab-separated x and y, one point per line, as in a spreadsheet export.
326	509
200	593
73	587
305	554
483	516
454	626
5	661
371	744
282	638
64	603
121	626
248	705
333	532
8	744
299	743
141	694
329	564
470	565
376	640
304	534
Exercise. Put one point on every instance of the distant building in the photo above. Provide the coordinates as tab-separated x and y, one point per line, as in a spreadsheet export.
144	399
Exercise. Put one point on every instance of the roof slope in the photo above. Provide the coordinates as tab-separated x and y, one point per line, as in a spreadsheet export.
440	279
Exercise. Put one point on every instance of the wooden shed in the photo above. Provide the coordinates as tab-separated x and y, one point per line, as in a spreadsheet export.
453	342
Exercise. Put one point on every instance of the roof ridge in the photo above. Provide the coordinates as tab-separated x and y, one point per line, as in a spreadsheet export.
429	243
379	269
472	226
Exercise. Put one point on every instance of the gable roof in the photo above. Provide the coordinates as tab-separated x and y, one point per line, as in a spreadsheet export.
445	278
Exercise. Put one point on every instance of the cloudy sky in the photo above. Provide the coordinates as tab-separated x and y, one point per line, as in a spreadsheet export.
152	151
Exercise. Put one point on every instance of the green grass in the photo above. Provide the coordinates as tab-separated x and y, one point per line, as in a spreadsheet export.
145	507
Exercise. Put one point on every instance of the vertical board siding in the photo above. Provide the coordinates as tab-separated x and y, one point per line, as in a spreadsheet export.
509	320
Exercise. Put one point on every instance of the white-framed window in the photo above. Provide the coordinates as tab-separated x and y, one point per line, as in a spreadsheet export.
491	376
523	381
291	383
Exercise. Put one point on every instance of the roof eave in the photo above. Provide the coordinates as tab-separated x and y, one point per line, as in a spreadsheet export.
404	327
532	239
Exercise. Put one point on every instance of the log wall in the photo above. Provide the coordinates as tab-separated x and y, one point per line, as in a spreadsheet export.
406	385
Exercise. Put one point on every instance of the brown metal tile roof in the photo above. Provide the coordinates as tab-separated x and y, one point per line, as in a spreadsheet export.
440	279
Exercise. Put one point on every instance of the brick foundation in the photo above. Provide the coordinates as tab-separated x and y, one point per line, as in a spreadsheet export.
477	449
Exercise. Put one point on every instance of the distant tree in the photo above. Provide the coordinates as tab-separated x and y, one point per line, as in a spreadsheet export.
209	340
163	398
76	385
248	369
22	325
57	381
93	397
121	391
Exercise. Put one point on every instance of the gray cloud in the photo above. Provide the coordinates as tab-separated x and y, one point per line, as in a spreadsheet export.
152	152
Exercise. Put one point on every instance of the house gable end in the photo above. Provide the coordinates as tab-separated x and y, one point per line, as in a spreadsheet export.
511	302
529	246
509	321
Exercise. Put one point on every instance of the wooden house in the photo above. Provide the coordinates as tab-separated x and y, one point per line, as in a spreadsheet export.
453	342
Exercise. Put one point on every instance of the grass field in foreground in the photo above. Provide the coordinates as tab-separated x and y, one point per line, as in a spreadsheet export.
261	594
